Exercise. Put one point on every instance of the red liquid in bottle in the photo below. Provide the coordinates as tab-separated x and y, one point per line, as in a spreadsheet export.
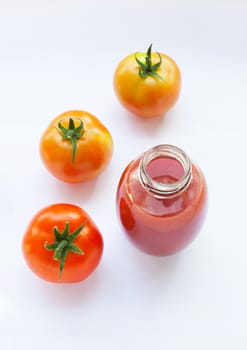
165	225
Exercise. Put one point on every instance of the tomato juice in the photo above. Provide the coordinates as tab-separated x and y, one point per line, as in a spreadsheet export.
161	225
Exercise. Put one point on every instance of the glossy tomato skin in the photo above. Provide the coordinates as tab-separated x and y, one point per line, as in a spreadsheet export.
94	148
40	232
150	96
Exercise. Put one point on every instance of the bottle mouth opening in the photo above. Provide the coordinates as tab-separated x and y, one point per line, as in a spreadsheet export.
165	170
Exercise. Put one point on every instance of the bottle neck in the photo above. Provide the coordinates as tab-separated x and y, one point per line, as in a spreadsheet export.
163	189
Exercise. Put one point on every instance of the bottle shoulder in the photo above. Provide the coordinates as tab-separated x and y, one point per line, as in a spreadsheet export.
131	190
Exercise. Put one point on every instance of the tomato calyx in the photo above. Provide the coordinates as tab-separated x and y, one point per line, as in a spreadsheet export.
72	133
147	68
64	244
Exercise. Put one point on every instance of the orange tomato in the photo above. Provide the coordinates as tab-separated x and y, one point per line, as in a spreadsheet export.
62	244
147	84
76	147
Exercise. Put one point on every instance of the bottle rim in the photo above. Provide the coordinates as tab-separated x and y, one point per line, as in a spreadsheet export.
162	190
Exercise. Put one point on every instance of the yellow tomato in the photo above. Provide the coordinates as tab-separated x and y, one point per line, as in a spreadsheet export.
147	84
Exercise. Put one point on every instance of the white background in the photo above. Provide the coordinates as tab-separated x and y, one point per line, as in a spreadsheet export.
60	55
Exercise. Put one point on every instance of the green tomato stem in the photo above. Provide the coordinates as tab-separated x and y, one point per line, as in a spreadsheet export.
72	133
64	244
147	68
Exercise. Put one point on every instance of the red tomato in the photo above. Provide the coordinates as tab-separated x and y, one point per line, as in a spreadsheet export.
76	147
62	244
147	84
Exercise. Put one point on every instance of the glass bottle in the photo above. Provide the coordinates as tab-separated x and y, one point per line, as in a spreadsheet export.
161	200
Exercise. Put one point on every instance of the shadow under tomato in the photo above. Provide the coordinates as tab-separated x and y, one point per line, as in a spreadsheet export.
148	125
71	294
76	193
